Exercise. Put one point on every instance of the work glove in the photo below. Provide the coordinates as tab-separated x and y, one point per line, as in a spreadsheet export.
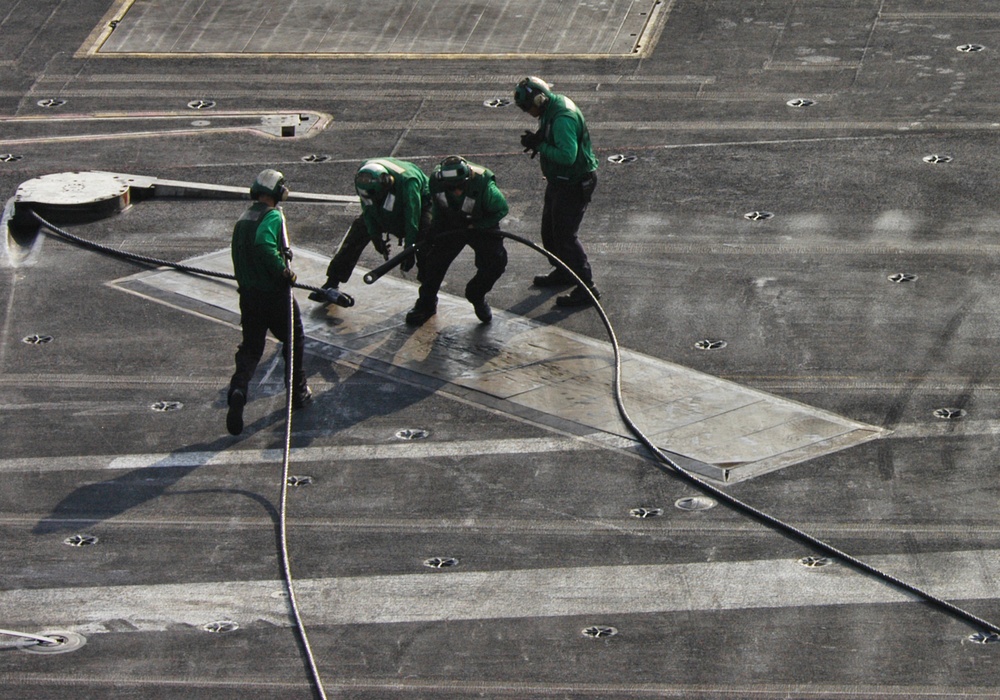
531	141
409	261
382	246
289	276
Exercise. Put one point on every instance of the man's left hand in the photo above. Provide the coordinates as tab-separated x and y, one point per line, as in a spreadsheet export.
531	141
409	261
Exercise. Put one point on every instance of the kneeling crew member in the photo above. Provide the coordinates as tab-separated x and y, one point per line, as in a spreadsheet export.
395	200
467	209
260	260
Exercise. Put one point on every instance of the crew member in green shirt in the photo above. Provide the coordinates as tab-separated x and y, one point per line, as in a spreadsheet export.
260	260
395	200
569	165
467	209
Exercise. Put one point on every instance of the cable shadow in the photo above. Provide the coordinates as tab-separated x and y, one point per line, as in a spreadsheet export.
95	503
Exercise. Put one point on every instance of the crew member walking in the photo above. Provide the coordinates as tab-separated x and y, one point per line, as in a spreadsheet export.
260	260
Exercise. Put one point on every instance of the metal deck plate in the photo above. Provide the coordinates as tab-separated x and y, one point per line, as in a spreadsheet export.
382	28
734	432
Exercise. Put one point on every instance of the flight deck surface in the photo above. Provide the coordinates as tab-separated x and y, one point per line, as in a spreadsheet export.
795	237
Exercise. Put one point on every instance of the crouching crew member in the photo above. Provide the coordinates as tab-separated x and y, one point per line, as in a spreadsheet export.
260	260
395	200
467	209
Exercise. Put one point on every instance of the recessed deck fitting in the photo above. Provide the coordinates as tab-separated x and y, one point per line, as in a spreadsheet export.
599	631
9	158
708	344
81	540
201	104
63	642
620	159
937	159
313	158
50	103
300	480
164	406
412	434
758	215
441	562
221	626
949	413
801	102
496	102
814	562
902	277
970	48
37	339
645	512
984	638
695	503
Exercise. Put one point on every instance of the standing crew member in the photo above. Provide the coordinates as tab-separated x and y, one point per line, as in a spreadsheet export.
568	164
260	261
395	200
467	209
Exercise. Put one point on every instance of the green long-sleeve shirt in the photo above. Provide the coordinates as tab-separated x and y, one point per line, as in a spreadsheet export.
257	248
565	152
481	205
399	214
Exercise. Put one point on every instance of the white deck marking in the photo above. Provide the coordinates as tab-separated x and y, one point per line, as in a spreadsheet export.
299	455
353	29
597	592
734	431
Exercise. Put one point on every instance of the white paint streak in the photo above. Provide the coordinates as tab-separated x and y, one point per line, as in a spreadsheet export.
332	455
453	595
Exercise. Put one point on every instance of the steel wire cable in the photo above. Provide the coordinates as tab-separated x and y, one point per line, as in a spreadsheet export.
40	639
668	465
286	452
145	259
662	460
286	568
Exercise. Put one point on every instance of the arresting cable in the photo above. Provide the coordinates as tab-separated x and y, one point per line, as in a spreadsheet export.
662	461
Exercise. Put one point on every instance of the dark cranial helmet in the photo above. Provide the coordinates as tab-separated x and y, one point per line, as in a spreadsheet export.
532	92
453	172
372	182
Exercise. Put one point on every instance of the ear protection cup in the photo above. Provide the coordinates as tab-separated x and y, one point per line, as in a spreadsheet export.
269	182
373	181
531	92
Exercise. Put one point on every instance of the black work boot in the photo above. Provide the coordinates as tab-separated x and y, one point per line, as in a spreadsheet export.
578	297
556	278
419	314
483	311
234	418
302	398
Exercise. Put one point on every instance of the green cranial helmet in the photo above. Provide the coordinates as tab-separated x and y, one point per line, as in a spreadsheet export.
372	182
532	92
271	183
453	172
